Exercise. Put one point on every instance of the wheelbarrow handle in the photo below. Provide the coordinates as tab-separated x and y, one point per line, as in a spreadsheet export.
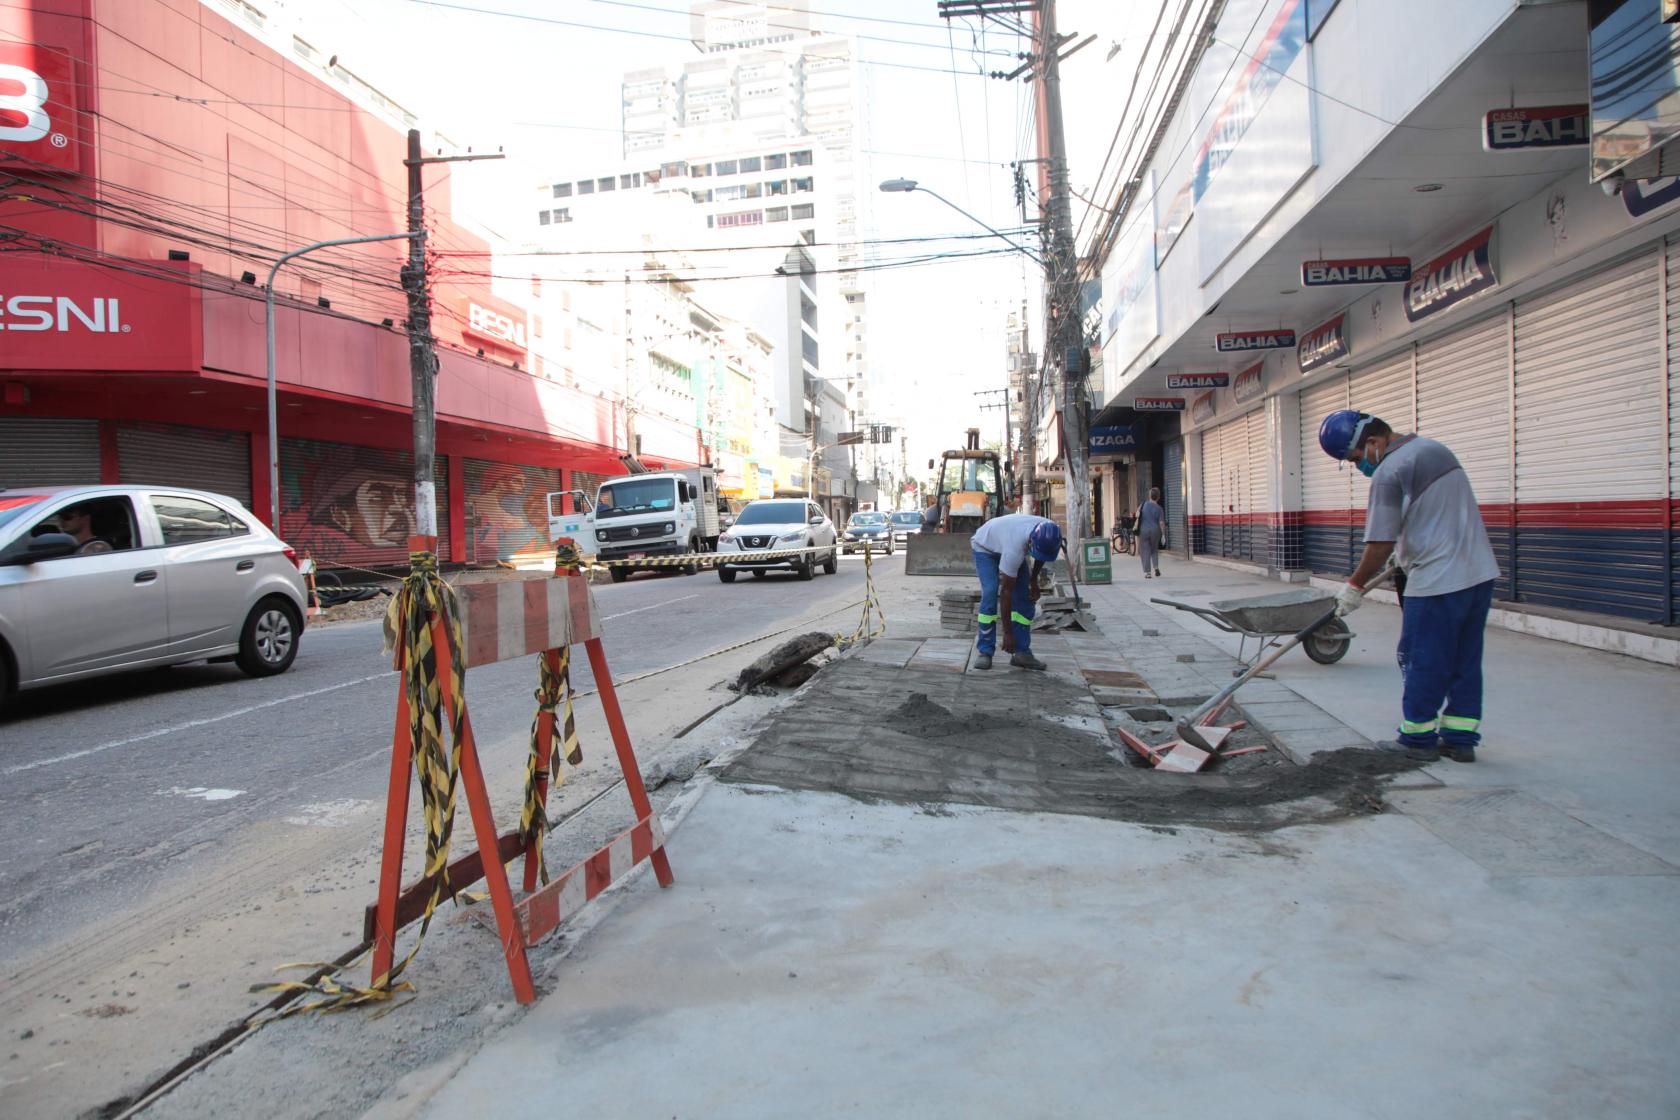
1219	699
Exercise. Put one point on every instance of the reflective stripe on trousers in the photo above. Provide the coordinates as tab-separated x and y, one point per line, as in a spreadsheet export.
1021	606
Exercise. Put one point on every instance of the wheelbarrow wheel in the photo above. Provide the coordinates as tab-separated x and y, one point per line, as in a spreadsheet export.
1330	644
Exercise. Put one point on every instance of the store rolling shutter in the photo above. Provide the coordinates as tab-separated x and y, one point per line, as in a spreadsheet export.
1673	265
37	451
1464	400
176	455
1233	438
1172	494
507	509
1385	390
1591	444
1211	538
354	505
1260	504
1328	515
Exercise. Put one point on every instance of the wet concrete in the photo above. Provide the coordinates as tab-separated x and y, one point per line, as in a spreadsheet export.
1027	742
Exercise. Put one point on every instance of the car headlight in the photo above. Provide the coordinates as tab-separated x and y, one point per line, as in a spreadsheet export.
670	526
600	534
795	536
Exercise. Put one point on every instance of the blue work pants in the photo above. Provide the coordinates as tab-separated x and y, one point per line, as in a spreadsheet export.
1440	659
1021	607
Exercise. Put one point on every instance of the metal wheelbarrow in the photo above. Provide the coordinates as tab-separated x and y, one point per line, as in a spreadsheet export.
1270	617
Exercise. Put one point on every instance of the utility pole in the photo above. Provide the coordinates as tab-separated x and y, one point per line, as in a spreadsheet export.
422	357
1008	429
1029	418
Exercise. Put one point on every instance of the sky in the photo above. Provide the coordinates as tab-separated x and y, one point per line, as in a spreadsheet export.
546	91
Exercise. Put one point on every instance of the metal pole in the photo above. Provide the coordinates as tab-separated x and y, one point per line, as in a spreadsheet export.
268	326
421	360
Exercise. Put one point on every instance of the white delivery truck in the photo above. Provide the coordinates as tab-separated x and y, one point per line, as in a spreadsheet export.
641	516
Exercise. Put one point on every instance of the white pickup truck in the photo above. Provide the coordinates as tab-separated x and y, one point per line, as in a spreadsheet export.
640	516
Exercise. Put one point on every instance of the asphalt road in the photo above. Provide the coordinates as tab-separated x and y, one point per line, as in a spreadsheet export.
112	788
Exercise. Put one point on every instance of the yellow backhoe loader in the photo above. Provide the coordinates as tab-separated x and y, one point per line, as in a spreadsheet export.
969	491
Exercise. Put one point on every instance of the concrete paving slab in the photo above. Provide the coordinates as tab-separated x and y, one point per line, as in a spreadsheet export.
889	651
949	654
1511	833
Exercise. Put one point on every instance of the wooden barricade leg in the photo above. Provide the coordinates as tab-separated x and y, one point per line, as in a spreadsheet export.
396	824
545	748
484	827
626	756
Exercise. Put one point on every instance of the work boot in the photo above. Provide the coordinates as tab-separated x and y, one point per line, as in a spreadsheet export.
1026	661
982	661
1416	754
1458	754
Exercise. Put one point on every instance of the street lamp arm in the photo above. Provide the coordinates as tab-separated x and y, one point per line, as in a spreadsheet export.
1038	260
268	328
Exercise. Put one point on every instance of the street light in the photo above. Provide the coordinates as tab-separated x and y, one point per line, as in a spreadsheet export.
905	186
268	327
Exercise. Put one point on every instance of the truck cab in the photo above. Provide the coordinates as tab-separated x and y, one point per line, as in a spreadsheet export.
642	517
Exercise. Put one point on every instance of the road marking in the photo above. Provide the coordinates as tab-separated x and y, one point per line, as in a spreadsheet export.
639	610
203	794
189	725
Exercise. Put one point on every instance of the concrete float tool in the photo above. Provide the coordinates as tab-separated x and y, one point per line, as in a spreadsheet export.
1193	730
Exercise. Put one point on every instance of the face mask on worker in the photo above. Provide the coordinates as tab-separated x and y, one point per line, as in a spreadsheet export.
1368	466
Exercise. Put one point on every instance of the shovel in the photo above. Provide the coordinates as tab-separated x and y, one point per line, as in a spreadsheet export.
1189	728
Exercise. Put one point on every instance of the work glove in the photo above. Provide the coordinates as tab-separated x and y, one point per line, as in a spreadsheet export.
1348	599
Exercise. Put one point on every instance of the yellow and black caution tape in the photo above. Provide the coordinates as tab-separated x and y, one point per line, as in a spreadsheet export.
422	600
554	692
702	559
871	608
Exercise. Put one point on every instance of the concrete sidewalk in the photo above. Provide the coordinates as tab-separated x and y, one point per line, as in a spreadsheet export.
881	912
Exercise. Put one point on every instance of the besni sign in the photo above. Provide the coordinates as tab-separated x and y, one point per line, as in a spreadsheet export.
1538	126
1240	342
40	117
1114	440
61	314
1250	383
503	326
1198	380
1323	345
1159	404
1355	270
1453	277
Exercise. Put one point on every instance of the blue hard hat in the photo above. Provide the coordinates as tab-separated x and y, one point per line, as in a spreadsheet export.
1341	432
1045	541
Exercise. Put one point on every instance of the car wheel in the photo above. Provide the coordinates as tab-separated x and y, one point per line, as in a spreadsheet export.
619	575
268	642
807	565
692	569
889	548
832	564
7	680
727	576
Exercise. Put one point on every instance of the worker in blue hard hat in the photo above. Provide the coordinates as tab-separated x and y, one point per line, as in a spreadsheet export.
1009	553
1423	512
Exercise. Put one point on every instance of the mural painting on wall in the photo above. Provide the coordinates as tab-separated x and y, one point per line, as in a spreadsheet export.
507	509
349	504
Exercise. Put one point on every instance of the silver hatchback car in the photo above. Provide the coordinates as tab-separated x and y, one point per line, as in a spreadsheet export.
101	579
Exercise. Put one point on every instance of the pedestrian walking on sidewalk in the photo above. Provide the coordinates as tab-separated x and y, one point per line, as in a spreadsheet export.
1009	553
1423	511
1150	519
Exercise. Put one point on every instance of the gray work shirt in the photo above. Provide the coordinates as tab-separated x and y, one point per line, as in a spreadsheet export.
1421	497
1149	516
1006	538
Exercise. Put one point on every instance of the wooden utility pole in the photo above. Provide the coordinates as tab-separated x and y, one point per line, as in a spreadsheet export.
422	355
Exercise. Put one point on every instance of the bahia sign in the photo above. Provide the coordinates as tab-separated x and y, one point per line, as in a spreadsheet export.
1250	383
1355	270
1536	126
40	113
1463	271
1159	404
1323	345
1240	342
1198	380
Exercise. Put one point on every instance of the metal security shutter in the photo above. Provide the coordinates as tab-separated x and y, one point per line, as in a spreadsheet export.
354	505
1385	390
1328	512
174	455
1212	537
1464	400
507	509
587	482
48	452
1259	501
1172	494
1591	475
1673	265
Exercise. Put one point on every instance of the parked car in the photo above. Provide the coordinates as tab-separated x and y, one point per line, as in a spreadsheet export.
871	529
778	524
906	523
102	579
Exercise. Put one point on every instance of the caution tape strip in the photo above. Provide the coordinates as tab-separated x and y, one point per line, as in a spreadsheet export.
703	559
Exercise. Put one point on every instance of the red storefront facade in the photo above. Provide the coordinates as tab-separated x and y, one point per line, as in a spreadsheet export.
155	129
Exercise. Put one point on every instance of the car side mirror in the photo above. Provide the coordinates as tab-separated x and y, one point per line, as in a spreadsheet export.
46	546
817	520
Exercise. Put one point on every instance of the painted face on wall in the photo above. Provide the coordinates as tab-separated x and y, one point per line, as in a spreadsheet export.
380	514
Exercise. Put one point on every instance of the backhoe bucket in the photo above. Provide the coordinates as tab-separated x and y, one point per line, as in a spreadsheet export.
940	554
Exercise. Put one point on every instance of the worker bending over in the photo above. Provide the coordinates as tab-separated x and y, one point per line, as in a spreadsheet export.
1421	500
1002	548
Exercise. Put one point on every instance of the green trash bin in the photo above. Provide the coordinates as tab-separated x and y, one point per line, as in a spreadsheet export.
1099	563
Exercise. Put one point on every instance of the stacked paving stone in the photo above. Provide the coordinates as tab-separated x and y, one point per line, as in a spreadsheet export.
957	609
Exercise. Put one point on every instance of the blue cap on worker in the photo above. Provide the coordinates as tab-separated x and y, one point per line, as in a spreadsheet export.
1341	432
1045	541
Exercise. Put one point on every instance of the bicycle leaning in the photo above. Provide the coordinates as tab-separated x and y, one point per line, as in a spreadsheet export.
1123	538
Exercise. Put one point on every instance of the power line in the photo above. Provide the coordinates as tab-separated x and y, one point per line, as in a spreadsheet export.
779	26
